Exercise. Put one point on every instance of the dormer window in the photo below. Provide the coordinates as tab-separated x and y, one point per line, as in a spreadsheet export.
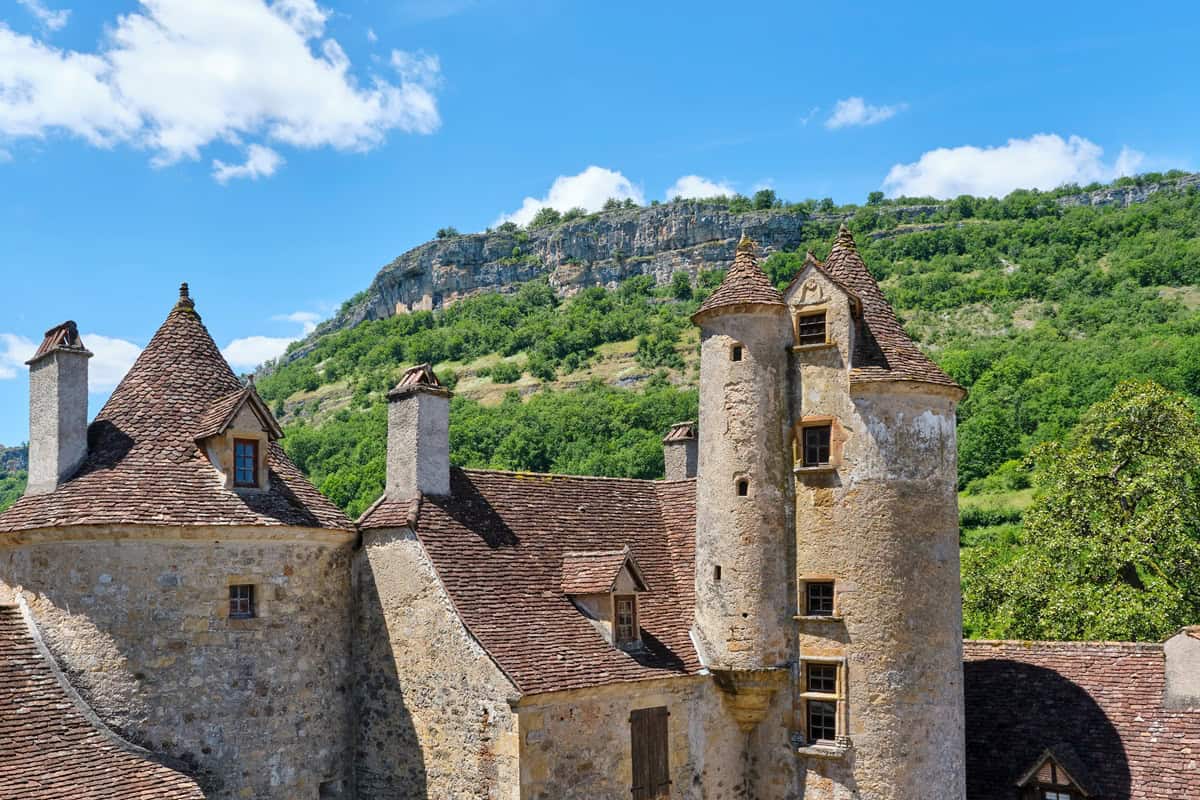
626	616
604	586
245	457
1051	779
810	328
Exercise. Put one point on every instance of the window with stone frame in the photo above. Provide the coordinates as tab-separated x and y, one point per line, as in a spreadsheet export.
241	601
818	598
821	698
245	462
815	445
625	619
810	328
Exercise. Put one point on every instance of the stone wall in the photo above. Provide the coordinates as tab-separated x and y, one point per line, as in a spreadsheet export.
433	716
138	619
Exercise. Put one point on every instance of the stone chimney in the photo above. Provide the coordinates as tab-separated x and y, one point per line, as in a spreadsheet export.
418	448
680	451
1183	669
58	406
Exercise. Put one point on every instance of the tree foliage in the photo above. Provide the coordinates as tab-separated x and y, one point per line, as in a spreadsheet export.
1111	545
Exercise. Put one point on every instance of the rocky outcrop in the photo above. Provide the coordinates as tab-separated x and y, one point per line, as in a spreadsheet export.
1130	194
13	459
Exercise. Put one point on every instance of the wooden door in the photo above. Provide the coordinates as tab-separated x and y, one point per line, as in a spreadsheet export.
648	738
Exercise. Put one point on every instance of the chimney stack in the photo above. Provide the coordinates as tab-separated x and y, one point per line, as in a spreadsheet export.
418	447
1183	669
58	406
680	450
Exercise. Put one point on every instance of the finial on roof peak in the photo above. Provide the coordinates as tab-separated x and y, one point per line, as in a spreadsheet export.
185	298
844	237
746	244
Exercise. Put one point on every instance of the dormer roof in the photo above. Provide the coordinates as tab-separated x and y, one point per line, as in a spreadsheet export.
1060	762
597	571
64	336
812	262
143	465
222	411
745	284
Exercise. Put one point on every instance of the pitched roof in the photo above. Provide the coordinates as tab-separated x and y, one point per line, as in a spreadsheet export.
1102	700
64	336
418	378
143	465
50	745
681	432
498	543
882	350
596	571
744	284
220	413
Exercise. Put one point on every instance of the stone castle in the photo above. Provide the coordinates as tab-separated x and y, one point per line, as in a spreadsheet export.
184	615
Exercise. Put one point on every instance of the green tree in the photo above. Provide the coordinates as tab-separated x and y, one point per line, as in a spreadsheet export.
764	199
1111	544
545	216
874	198
447	232
681	286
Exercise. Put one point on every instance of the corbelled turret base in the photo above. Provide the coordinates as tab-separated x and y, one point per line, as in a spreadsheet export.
747	692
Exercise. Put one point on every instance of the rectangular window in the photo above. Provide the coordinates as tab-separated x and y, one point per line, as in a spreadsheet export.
627	624
822	694
241	601
820	678
810	329
818	598
816	445
648	742
245	467
822	721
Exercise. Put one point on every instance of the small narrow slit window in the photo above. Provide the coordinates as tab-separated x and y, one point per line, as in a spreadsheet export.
626	613
816	445
245	457
810	328
241	601
717	572
735	353
743	487
818	598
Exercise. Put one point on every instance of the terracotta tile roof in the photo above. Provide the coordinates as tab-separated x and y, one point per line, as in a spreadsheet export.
681	432
1102	701
416	378
64	336
498	542
220	413
143	465
882	350
596	571
49	747
745	284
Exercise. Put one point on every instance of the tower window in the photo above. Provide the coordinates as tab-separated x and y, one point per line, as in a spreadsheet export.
810	329
626	618
735	353
743	487
245	466
717	572
822	694
818	598
822	721
816	445
241	601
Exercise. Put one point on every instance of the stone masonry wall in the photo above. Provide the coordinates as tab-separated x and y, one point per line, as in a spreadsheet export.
433	716
260	707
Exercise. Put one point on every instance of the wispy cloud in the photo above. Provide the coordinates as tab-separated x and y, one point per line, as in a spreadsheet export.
111	358
810	116
695	187
260	162
14	352
50	19
589	189
1042	161
245	72
856	112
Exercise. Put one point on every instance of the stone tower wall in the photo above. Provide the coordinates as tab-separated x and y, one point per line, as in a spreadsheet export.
884	526
743	618
139	621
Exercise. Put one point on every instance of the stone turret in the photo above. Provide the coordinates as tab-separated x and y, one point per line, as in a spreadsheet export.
742	494
58	405
418	448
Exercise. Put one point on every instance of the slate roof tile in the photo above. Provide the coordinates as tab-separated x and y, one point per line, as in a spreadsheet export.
744	284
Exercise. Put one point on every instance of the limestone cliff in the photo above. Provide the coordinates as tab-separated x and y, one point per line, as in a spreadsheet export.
13	459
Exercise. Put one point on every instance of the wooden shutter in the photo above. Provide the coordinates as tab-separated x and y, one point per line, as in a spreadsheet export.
648	737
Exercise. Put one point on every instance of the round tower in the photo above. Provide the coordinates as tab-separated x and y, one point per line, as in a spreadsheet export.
879	703
742	495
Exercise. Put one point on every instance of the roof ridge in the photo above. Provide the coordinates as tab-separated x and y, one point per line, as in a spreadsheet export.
1064	643
527	473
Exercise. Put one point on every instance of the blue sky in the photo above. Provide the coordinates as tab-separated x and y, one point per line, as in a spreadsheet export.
276	154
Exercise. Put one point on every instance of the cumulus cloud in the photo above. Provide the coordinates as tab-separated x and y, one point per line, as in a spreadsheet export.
248	352
856	112
589	189
176	76
111	358
695	187
260	161
50	19
1042	161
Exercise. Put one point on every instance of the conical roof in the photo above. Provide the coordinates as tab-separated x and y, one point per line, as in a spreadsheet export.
745	284
882	350
143	464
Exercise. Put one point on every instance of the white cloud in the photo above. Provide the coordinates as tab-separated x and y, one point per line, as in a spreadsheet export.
807	118
176	76
371	36
694	187
260	161
50	19
111	358
14	352
1042	161
589	189
854	111
250	351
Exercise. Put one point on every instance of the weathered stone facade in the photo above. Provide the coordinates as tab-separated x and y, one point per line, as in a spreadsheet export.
138	618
